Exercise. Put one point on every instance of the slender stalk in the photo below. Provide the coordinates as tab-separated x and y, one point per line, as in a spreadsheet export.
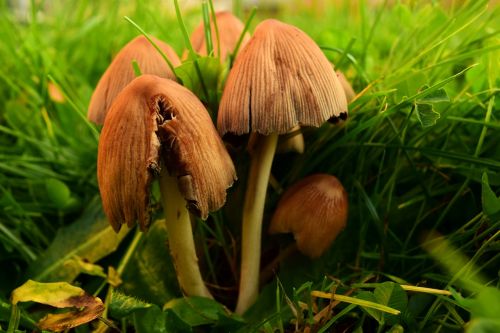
253	210
180	238
207	27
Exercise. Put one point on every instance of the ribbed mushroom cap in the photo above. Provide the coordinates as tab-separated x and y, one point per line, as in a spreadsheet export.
230	28
349	92
281	79
120	72
315	211
156	122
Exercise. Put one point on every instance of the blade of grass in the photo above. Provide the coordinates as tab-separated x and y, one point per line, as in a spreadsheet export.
355	301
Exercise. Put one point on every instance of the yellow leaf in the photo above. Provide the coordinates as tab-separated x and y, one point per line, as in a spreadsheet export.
60	295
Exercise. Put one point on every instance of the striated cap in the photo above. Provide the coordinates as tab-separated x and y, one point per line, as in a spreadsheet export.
349	92
230	29
315	211
120	72
281	79
155	123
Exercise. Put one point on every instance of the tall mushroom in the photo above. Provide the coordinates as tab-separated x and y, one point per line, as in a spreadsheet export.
229	29
281	79
120	72
156	127
314	210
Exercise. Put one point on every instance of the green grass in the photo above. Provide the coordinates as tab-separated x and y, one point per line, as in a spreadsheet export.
412	156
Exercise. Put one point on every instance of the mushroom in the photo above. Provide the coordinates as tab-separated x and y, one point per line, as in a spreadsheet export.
349	92
156	127
293	141
229	31
314	210
280	80
120	72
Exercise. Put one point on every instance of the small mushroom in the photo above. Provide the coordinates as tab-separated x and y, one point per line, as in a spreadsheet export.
280	80
156	127
120	72
230	29
315	211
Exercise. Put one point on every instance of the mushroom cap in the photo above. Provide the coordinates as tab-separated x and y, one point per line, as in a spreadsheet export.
349	92
155	123
314	210
281	79
230	28
120	72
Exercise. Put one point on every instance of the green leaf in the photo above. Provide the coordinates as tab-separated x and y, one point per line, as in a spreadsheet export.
491	203
426	114
196	311
147	318
150	274
392	295
369	296
122	305
154	320
389	294
484	308
486	304
436	96
58	192
212	73
90	239
483	325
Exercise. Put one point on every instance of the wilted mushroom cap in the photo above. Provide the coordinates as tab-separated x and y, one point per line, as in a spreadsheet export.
120	72
314	210
156	122
281	79
230	28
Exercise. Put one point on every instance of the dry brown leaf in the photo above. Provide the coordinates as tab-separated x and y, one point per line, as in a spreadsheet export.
85	307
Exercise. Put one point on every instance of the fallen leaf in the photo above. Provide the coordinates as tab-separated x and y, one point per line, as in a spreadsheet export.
85	307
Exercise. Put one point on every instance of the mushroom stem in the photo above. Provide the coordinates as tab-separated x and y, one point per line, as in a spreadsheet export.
180	238
253	211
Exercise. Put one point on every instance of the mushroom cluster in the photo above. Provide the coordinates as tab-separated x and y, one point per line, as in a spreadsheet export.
156	129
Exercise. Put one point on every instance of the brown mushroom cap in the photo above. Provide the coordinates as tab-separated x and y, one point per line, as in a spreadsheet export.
281	79
230	28
315	211
120	72
349	92
156	122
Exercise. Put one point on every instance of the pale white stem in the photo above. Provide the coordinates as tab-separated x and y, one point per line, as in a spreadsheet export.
253	211
180	238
